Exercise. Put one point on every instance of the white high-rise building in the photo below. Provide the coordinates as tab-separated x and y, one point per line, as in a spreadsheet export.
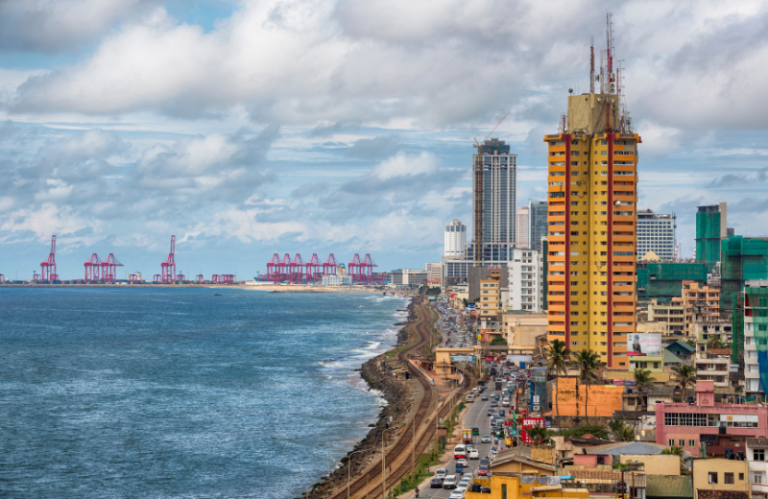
455	240
526	280
523	229
655	233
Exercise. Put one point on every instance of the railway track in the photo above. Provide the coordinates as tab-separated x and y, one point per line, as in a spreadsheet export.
422	426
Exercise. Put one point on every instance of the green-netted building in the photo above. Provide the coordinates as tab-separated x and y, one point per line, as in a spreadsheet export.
663	281
711	228
742	259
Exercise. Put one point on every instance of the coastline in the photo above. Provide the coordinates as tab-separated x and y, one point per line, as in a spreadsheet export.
398	403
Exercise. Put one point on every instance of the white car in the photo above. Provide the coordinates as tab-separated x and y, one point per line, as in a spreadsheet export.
505	403
474	454
457	494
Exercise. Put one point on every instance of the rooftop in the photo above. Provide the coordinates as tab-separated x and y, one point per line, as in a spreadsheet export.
669	486
617	448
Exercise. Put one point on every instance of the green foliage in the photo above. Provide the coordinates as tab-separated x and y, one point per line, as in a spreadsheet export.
599	431
621	431
715	343
499	340
686	375
539	435
673	451
433	291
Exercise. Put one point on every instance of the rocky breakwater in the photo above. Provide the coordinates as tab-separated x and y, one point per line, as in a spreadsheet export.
377	372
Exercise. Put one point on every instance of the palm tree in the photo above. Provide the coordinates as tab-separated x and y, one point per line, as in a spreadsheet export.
715	343
558	356
686	375
673	450
643	381
587	362
538	434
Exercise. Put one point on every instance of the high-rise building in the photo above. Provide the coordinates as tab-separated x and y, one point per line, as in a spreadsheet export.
537	222
754	337
592	224
494	201
455	240
711	228
434	271
522	231
655	233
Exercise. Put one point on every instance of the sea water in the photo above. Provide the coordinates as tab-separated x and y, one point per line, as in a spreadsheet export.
160	393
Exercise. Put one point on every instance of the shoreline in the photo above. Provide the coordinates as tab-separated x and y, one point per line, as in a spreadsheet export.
398	402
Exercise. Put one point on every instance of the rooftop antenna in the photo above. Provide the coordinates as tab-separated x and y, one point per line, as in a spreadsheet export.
592	66
610	86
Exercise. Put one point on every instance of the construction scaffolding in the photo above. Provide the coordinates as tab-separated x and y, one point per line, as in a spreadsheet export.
710	230
756	307
742	259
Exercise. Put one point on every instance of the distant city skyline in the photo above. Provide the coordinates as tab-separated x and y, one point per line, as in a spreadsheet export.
249	128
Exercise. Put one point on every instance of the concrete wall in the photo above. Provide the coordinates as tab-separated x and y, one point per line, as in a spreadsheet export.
477	273
603	399
658	464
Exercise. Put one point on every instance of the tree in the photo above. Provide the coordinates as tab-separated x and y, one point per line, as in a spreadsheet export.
686	375
621	431
673	451
499	340
643	381
538	434
715	343
558	356
587	362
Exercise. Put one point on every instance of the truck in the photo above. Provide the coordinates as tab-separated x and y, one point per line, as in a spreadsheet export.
466	436
498	385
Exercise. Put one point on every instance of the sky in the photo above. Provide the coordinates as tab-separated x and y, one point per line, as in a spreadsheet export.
248	128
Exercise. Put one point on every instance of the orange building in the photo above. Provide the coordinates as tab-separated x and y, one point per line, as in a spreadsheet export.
592	227
603	399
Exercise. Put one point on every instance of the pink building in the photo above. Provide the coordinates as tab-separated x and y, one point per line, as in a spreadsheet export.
719	429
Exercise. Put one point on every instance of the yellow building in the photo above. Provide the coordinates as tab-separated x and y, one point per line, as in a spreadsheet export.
592	236
508	486
719	474
522	330
489	306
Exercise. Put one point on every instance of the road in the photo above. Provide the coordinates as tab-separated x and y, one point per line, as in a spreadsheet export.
476	416
449	323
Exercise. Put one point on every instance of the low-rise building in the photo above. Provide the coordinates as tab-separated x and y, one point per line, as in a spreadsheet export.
337	280
757	448
712	477
701	302
713	365
709	427
521	330
671	314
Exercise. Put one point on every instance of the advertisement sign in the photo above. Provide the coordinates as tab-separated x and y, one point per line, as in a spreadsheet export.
463	358
644	345
518	358
530	423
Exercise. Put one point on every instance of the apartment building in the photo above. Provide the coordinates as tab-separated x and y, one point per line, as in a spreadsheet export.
702	304
755	337
526	281
655	233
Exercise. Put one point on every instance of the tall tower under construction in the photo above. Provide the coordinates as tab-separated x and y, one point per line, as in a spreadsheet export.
494	201
592	237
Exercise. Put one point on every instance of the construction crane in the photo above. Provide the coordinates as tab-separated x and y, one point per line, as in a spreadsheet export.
479	195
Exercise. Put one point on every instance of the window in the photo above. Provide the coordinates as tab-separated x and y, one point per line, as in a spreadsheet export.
691	443
757	478
671	442
741	477
681	443
758	454
728	479
712	477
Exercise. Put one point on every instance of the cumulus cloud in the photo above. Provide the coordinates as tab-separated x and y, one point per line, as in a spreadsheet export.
735	179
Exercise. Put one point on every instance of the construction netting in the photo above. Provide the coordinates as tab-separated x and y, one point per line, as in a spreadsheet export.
743	259
737	328
756	305
708	238
663	281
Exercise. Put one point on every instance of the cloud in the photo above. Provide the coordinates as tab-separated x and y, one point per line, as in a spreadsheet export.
374	148
406	165
55	26
40	223
735	179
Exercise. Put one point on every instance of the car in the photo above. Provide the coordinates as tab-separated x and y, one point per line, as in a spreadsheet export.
462	462
494	403
449	482
504	403
436	483
484	398
475	431
441	472
474	454
491	412
485	439
492	394
456	495
466	480
461	487
482	470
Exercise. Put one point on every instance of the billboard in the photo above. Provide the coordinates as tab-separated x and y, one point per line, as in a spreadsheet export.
644	345
518	358
530	423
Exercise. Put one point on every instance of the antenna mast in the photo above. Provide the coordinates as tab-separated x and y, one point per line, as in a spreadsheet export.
592	66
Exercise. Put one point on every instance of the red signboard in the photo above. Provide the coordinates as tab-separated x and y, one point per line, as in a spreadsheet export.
530	423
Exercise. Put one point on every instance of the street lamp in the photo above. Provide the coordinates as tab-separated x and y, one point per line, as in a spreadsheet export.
383	465
349	467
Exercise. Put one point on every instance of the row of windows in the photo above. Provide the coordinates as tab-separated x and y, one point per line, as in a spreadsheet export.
685	419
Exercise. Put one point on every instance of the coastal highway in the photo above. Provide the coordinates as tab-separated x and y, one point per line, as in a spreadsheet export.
476	416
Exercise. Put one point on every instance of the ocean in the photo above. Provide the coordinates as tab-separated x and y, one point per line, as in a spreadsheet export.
158	393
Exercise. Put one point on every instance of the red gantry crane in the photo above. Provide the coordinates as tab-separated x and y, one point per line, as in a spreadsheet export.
93	269
48	267
168	267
